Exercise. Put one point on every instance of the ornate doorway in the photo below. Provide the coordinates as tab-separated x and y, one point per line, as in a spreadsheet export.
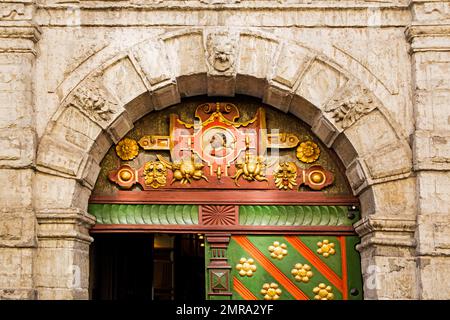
270	199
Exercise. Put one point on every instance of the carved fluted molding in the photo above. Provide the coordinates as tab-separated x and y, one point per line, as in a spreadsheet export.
386	231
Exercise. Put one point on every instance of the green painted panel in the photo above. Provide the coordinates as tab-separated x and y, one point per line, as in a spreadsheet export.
298	255
332	261
253	284
296	216
354	269
144	214
288	262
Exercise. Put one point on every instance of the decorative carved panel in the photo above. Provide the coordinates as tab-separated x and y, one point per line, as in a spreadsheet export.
219	215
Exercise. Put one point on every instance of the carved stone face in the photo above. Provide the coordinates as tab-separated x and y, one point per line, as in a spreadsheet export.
285	175
155	174
221	52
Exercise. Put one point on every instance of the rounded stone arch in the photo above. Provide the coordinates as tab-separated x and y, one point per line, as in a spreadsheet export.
99	109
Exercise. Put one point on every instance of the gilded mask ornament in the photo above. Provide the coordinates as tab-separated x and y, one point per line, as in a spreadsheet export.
155	174
323	292
246	267
285	175
221	50
250	170
271	291
308	152
185	171
127	149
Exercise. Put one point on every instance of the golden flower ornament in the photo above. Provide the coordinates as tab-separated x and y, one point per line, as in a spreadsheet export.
323	292
127	149
277	250
308	152
246	267
302	272
326	248
271	291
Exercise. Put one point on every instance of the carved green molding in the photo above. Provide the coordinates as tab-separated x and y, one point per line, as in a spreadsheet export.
156	214
297	216
144	214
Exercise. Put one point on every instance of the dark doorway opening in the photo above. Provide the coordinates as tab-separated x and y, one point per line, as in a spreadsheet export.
147	267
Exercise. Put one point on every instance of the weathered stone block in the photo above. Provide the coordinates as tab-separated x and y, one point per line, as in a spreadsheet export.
123	81
432	150
152	59
186	53
433	190
320	82
304	110
386	198
370	133
325	130
345	150
387	278
17	191
356	176
166	96
192	85
56	156
139	107
433	234
389	161
434	280
291	63
432	112
18	228
221	86
101	146
17	147
62	268
58	192
277	97
16	268
119	128
254	48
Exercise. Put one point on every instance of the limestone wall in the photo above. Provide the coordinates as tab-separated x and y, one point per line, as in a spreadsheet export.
392	57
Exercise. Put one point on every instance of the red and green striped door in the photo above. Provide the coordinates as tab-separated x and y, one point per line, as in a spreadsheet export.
294	267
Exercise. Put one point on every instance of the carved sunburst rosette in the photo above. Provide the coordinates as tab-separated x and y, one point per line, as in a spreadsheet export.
218	215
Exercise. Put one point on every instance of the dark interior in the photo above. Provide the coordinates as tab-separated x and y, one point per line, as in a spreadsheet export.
147	267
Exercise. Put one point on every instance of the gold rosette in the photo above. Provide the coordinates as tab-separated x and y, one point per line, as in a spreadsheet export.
127	149
308	152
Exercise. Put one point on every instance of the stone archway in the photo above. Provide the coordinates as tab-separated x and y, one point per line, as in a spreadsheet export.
99	109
